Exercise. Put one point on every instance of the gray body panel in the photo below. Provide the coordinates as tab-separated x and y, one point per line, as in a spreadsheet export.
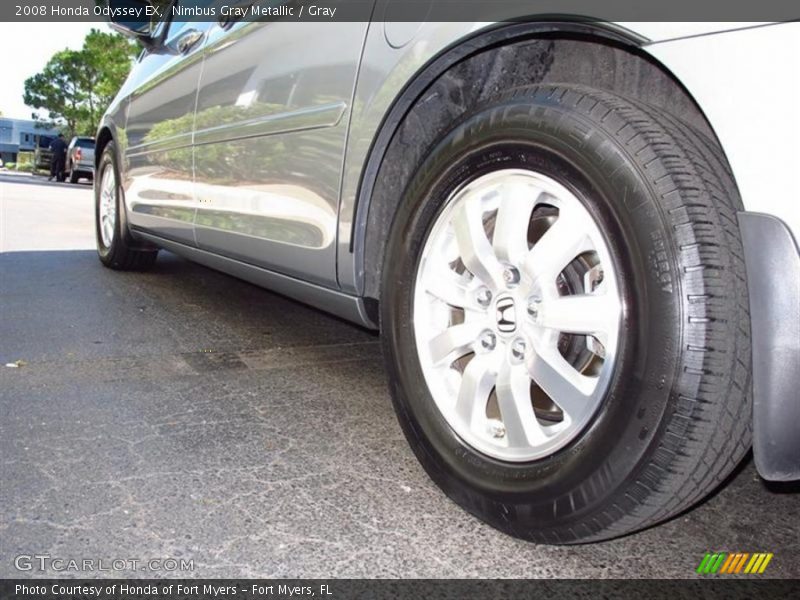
393	53
332	301
271	125
157	150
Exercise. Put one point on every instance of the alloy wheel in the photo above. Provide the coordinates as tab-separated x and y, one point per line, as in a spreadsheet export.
516	314
107	209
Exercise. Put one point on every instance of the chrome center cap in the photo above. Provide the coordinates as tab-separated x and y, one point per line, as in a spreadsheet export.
506	314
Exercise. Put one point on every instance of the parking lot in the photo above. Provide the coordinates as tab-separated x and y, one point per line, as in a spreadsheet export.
181	413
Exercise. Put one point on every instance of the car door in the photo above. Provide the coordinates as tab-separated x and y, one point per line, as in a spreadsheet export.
271	123
159	190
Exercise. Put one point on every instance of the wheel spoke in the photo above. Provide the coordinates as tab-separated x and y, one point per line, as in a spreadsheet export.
596	314
109	228
476	385
107	209
474	248
560	244
453	343
513	218
448	287
514	398
568	388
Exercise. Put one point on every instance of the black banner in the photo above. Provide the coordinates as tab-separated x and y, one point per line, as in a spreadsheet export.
366	589
400	10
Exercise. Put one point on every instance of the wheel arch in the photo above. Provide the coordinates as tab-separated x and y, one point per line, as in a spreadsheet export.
104	136
578	52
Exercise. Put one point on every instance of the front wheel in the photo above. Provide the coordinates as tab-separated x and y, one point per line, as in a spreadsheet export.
114	246
564	314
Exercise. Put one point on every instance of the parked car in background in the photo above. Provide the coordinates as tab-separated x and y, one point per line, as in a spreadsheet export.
80	159
578	239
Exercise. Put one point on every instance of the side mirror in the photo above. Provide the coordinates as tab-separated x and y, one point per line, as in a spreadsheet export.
137	18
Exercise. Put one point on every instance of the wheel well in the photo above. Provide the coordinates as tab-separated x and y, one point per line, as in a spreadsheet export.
607	63
102	141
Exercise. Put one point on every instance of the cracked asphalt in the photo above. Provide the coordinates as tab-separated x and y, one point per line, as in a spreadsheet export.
183	413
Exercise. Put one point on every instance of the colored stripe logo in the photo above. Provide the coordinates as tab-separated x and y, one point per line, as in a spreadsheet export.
734	563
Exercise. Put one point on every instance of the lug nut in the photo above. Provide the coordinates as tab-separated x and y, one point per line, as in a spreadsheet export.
497	429
533	307
511	276
484	297
518	349
488	340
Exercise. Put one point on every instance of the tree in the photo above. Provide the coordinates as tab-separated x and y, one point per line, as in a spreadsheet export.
76	86
108	56
57	89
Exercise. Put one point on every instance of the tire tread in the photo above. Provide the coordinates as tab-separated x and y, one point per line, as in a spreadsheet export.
706	438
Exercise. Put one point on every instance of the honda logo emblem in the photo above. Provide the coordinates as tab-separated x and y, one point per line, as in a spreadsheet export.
506	315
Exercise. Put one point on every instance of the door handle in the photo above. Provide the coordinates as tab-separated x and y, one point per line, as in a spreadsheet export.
187	40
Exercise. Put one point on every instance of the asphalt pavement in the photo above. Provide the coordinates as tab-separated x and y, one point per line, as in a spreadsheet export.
181	413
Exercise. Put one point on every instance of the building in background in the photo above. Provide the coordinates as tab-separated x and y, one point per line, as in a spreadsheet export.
22	135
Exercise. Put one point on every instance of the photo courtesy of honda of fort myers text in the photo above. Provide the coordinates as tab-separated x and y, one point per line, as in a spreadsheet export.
186	589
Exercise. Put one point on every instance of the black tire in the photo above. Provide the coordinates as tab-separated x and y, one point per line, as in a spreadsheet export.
120	254
676	419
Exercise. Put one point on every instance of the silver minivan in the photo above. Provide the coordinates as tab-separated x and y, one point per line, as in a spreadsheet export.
586	279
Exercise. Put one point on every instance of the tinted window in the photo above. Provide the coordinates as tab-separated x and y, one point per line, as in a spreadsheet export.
84	143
